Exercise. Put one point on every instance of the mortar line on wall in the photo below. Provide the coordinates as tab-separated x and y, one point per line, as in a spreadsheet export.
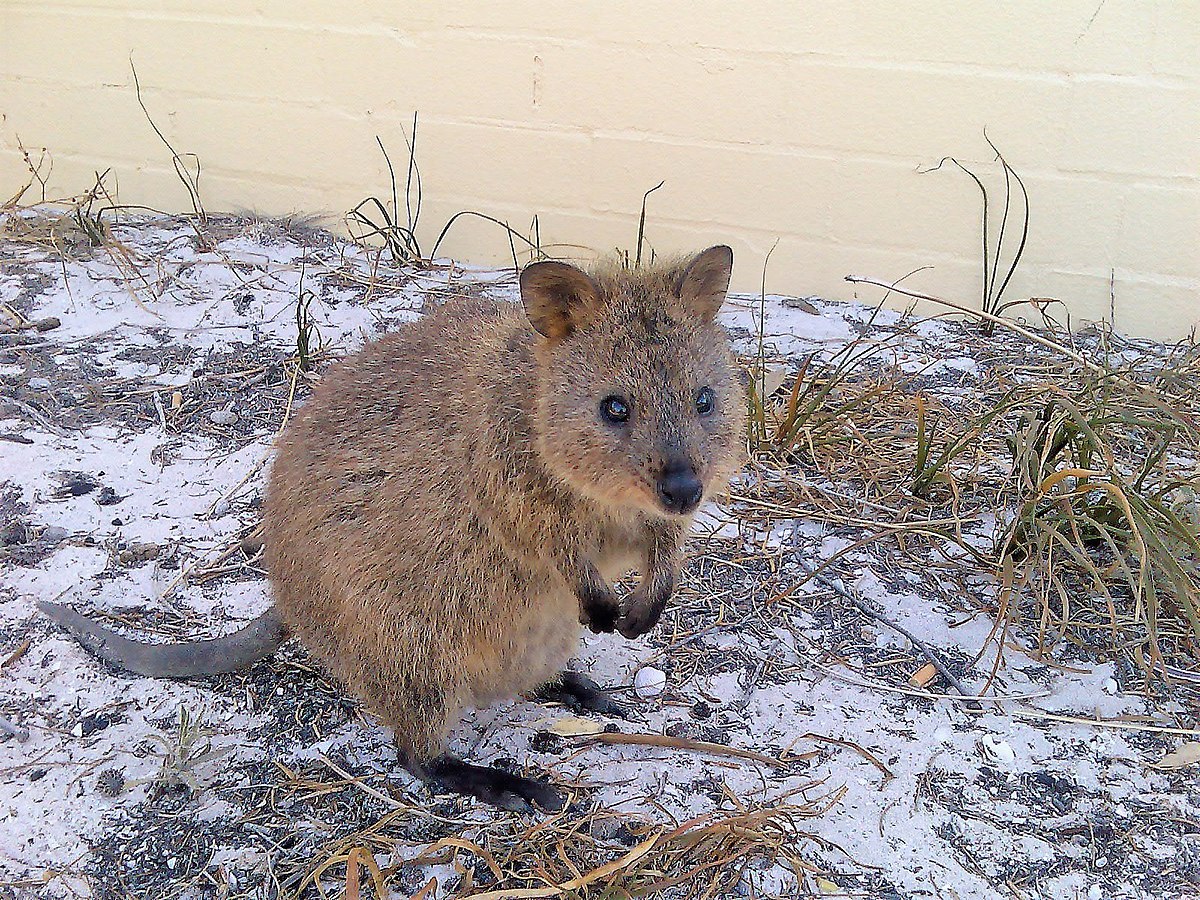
735	53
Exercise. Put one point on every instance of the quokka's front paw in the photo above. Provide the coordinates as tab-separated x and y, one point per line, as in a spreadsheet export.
645	605
599	610
600	620
642	614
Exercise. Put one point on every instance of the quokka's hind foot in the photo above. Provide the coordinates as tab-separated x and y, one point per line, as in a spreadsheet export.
579	693
491	785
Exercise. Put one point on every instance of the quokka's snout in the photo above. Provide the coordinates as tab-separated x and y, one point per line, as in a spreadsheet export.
679	488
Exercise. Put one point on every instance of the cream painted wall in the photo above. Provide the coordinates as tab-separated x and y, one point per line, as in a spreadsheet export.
802	123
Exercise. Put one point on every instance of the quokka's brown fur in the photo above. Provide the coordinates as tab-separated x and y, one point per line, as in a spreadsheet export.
450	504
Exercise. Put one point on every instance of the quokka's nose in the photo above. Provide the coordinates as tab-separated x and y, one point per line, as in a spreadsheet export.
679	490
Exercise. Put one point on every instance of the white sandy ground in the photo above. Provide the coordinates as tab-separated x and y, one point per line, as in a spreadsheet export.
49	824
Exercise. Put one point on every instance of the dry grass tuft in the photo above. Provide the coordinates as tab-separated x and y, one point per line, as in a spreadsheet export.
597	854
70	228
1090	462
1106	537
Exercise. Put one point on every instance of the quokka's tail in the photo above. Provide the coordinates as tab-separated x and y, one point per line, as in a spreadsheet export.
255	641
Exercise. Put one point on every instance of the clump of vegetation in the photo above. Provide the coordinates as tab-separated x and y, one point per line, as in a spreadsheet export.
793	412
995	282
373	218
1092	474
1099	471
1091	469
1105	535
71	227
814	409
610	855
180	755
306	330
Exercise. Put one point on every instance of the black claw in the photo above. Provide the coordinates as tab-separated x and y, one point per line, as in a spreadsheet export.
511	802
601	621
579	693
599	607
638	622
491	785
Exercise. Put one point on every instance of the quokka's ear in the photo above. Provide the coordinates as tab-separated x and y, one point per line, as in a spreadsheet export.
705	281
558	297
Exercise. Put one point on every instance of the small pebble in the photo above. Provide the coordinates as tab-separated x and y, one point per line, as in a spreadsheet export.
1111	686
98	722
39	384
804	304
679	730
546	742
649	682
137	553
604	828
222	417
999	750
220	509
76	485
110	782
107	496
52	534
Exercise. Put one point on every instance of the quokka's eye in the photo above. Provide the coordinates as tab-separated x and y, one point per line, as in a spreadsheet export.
706	401
614	410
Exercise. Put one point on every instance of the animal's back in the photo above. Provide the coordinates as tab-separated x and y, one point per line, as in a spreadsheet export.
380	441
379	557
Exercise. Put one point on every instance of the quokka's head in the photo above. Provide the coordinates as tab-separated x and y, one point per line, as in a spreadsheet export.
639	404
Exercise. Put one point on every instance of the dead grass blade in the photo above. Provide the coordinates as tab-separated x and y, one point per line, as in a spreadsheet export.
866	754
189	178
606	871
676	743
